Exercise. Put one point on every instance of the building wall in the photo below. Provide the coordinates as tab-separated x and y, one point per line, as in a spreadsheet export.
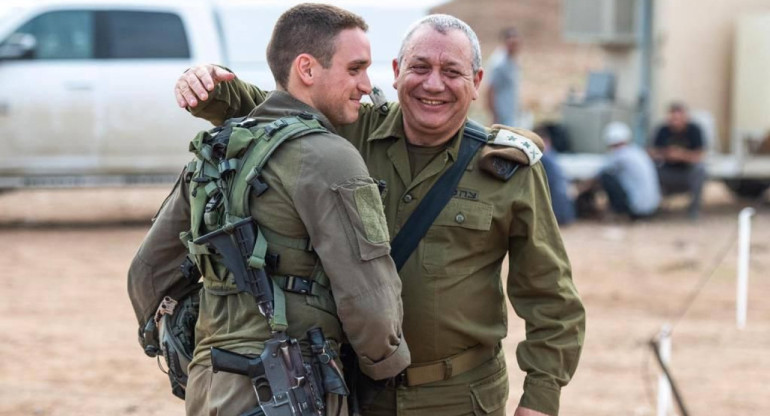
550	66
751	90
693	59
692	62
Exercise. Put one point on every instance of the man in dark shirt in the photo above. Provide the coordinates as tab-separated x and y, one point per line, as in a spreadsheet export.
678	153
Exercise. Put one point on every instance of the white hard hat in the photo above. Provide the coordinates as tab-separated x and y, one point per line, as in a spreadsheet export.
616	132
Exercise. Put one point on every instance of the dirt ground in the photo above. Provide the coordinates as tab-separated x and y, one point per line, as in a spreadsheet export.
68	343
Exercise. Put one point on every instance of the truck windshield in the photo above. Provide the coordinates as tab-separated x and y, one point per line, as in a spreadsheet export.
5	14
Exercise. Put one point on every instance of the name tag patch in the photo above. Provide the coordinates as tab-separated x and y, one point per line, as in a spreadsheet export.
468	194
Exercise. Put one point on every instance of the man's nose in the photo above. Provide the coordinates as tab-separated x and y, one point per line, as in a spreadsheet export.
433	82
365	85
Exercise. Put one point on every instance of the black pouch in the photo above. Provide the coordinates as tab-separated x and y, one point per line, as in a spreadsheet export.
364	389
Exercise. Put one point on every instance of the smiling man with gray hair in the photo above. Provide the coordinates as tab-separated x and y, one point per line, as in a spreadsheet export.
498	207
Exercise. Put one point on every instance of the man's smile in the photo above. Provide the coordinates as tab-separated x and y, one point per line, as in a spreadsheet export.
431	102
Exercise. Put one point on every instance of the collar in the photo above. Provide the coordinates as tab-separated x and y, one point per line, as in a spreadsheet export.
282	104
391	127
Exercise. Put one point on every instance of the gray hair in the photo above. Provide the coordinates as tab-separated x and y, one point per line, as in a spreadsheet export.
442	23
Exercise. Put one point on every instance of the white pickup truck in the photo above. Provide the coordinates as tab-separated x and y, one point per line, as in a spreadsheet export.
86	86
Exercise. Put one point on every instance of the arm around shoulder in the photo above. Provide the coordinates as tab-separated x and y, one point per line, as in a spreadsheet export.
235	98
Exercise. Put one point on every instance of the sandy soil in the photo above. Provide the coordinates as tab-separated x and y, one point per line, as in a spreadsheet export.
67	332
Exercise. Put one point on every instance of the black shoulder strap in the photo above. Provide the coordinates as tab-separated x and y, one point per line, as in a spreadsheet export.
439	195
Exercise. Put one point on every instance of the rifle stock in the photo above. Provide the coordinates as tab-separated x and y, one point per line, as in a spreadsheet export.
232	362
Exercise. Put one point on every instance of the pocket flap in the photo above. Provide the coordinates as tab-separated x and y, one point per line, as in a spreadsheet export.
491	393
474	215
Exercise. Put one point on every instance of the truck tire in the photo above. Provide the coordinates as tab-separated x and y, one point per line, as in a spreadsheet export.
747	188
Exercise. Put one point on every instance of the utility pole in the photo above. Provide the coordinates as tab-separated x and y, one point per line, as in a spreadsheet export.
645	37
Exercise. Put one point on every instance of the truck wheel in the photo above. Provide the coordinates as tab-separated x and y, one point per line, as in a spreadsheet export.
747	188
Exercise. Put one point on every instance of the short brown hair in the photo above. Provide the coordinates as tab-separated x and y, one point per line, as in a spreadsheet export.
307	28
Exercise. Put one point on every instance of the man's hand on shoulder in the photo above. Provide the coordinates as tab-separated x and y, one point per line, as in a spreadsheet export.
523	411
196	83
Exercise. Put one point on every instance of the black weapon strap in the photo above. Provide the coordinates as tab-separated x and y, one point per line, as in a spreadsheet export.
402	246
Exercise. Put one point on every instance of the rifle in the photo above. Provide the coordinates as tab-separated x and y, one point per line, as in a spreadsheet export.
284	384
235	243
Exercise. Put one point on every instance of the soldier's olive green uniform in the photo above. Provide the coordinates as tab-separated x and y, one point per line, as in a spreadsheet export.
320	194
454	307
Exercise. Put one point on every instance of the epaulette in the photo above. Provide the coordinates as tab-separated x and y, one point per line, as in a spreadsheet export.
379	100
507	149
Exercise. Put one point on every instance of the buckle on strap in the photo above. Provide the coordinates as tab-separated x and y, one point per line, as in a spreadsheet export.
298	284
273	127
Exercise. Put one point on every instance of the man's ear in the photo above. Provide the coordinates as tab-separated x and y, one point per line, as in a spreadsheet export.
396	71
477	82
305	68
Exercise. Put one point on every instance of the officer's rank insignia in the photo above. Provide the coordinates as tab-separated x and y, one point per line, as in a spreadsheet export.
378	99
511	139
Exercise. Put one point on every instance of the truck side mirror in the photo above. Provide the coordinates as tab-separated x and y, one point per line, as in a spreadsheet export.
18	46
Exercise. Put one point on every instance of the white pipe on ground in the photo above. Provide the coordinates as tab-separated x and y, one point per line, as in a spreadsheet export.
664	386
744	249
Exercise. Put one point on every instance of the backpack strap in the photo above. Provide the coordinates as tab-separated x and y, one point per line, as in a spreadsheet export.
266	140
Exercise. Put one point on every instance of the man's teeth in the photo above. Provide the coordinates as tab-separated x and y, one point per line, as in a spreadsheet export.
431	102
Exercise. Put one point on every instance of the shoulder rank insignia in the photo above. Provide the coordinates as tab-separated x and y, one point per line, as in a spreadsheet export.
379	99
512	139
507	149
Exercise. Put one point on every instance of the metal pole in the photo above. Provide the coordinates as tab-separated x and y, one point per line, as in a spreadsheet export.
744	248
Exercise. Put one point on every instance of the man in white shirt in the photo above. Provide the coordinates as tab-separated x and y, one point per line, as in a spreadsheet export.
628	177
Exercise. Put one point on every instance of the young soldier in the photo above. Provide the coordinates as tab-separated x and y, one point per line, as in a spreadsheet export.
321	214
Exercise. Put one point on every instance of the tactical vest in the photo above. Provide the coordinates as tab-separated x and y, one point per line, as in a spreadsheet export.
227	168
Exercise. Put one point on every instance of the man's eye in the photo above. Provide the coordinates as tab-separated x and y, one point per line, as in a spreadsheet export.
354	71
452	73
421	69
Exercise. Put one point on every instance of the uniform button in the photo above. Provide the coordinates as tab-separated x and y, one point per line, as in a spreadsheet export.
408	198
460	218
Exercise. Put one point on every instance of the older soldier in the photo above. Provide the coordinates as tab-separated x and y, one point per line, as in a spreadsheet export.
454	308
320	214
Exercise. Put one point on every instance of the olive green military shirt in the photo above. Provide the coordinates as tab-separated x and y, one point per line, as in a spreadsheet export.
452	292
319	189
